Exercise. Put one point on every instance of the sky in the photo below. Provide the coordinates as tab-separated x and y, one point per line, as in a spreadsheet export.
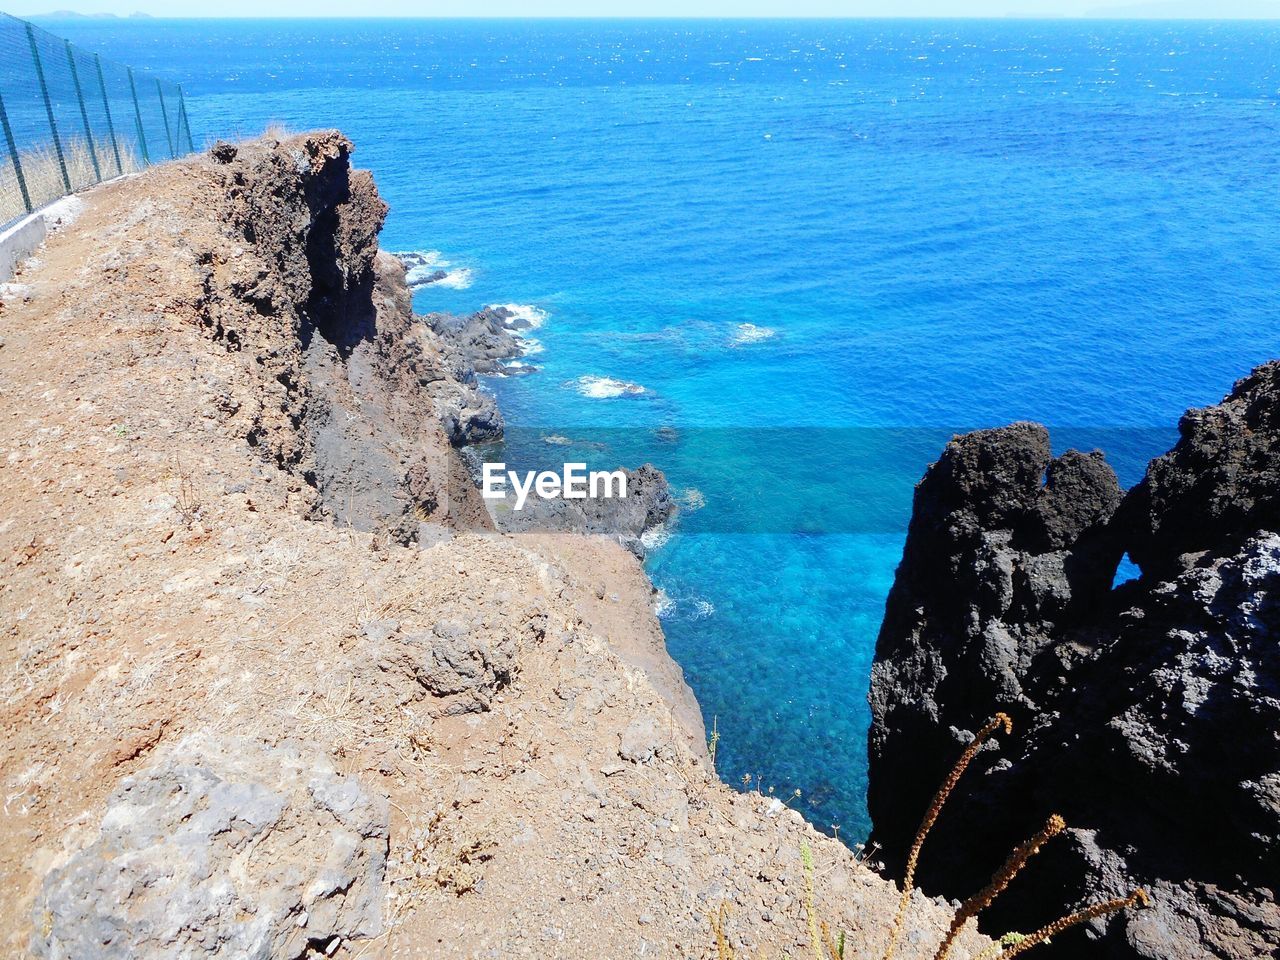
1210	9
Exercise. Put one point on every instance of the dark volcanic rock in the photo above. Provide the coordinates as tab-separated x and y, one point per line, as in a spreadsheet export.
435	276
1147	715
481	342
646	507
223	152
1219	484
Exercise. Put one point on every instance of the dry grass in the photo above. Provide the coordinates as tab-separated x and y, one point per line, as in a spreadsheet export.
43	174
186	502
331	716
442	854
824	947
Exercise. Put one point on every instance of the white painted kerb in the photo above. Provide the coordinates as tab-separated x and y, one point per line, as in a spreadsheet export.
25	237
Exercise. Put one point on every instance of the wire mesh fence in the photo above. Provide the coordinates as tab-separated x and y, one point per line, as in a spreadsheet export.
72	119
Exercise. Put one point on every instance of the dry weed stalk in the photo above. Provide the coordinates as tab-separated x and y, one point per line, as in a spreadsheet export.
1137	898
1010	945
332	715
999	882
931	816
718	920
835	948
815	940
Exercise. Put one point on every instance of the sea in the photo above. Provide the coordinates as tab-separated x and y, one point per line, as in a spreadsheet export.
785	261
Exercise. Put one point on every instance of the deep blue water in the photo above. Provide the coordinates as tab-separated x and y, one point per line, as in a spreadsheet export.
930	226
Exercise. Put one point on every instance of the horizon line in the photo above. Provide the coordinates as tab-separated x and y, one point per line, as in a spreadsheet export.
1051	17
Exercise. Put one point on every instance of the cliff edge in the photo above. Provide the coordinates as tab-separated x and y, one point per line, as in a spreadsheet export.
270	684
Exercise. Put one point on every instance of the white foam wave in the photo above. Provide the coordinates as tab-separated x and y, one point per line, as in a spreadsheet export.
533	316
750	333
421	258
458	279
421	266
655	537
532	345
691	498
703	609
604	388
663	605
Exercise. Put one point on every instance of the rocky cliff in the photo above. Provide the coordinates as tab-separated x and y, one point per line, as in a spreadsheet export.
1146	714
270	683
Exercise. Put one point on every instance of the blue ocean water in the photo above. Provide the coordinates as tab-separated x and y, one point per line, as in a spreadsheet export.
820	247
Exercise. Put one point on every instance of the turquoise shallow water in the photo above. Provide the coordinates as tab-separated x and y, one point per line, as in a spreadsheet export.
820	248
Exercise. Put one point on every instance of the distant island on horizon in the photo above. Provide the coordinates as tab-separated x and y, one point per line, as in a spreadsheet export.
76	15
1185	10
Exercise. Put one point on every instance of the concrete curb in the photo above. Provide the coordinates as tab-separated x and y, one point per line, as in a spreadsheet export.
25	237
20	241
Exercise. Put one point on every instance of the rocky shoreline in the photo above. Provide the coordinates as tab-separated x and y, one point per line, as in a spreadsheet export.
485	342
1145	713
275	686
488	343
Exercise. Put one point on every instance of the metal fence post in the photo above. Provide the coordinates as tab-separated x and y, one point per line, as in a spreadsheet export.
137	115
13	155
168	135
177	126
186	120
48	106
84	114
32	139
111	127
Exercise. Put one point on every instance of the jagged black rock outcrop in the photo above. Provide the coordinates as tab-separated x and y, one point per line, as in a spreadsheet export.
482	342
1147	715
1217	486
